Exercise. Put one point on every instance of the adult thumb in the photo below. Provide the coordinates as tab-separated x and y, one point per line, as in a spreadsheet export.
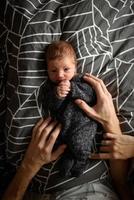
86	108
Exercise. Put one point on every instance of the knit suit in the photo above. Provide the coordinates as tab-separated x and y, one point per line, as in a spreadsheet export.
78	130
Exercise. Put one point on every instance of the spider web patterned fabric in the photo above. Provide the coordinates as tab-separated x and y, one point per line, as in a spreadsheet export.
102	33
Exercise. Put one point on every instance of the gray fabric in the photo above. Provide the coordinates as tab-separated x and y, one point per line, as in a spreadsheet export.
90	191
78	129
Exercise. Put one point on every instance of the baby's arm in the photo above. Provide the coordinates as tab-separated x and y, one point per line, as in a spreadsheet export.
48	99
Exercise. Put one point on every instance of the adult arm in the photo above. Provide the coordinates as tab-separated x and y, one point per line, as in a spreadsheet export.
117	146
104	112
38	153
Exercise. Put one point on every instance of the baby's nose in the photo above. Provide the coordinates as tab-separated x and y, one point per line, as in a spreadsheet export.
60	75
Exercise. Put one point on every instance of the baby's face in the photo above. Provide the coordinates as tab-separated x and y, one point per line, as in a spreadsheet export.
61	69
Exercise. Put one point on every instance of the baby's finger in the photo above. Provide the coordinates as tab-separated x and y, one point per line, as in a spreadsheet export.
65	83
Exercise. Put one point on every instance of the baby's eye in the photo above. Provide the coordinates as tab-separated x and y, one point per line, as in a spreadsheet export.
53	71
66	69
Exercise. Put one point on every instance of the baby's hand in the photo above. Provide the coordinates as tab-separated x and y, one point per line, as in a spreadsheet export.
63	88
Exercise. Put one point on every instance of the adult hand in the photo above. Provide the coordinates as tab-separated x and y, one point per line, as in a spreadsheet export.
116	146
40	150
103	111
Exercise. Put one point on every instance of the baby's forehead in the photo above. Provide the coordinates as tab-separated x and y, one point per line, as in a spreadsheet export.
63	59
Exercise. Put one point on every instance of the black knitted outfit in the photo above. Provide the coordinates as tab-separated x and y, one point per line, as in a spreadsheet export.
78	130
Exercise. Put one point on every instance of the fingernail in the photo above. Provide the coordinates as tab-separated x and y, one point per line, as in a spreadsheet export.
78	101
55	121
46	118
59	125
86	77
64	146
87	74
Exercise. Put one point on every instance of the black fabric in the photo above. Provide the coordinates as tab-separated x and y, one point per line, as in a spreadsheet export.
94	174
101	32
78	129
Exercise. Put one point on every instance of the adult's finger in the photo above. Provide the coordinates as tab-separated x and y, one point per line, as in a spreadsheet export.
95	80
52	139
102	156
46	133
97	84
111	136
58	152
36	126
106	142
107	148
39	127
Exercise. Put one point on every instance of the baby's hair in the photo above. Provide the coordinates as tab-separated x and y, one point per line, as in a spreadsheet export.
60	49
